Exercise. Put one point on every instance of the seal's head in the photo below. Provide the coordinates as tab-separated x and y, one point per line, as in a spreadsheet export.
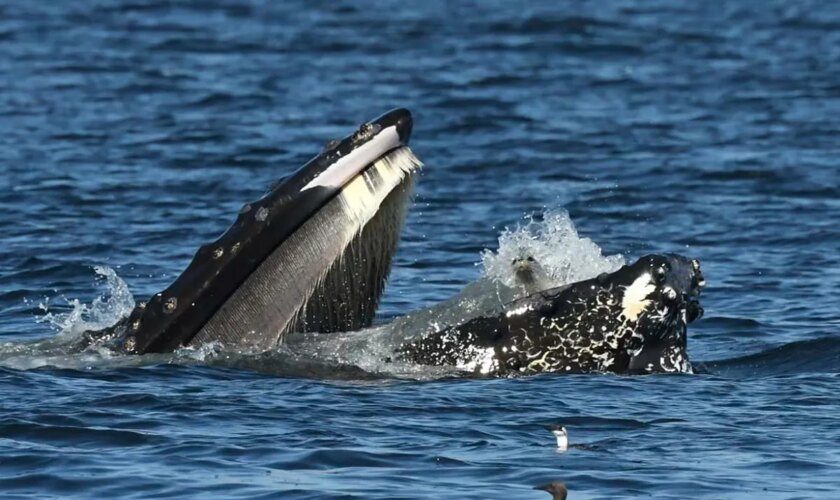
523	264
528	273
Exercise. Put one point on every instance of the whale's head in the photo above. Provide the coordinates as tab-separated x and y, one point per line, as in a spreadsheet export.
659	297
632	320
312	254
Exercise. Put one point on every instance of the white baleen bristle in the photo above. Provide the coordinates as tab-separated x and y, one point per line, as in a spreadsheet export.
362	197
275	298
360	200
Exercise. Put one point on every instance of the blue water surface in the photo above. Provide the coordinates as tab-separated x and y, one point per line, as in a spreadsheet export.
131	131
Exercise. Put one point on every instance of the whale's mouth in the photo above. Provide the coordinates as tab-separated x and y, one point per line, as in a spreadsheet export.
312	254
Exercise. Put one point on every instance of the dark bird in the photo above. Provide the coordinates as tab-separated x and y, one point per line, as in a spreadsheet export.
557	489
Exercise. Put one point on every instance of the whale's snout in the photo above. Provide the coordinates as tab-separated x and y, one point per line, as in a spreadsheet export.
401	120
685	277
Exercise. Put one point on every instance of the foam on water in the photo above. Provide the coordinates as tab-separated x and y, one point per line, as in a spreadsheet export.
552	239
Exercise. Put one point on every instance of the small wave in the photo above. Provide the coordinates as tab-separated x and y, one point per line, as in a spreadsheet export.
58	435
820	355
284	363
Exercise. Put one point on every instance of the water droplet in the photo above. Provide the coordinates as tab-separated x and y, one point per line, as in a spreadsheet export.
170	305
262	214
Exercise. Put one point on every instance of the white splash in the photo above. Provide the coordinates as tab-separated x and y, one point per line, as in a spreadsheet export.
200	354
555	243
102	312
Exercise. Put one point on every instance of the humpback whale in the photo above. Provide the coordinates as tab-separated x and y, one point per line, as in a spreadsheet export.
633	320
313	254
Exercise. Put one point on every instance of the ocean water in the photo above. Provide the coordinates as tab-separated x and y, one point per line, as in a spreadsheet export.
131	131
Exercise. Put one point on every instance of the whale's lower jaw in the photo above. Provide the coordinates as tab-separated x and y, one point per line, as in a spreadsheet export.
330	273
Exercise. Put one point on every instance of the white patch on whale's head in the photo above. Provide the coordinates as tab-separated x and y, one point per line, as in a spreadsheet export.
636	297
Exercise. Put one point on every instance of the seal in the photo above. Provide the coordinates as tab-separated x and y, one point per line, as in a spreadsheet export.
529	274
633	320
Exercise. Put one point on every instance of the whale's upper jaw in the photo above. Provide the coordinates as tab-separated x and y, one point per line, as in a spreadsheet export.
170	319
344	158
651	294
649	304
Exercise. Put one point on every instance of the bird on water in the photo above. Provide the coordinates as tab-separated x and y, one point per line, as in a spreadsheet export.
562	437
557	489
